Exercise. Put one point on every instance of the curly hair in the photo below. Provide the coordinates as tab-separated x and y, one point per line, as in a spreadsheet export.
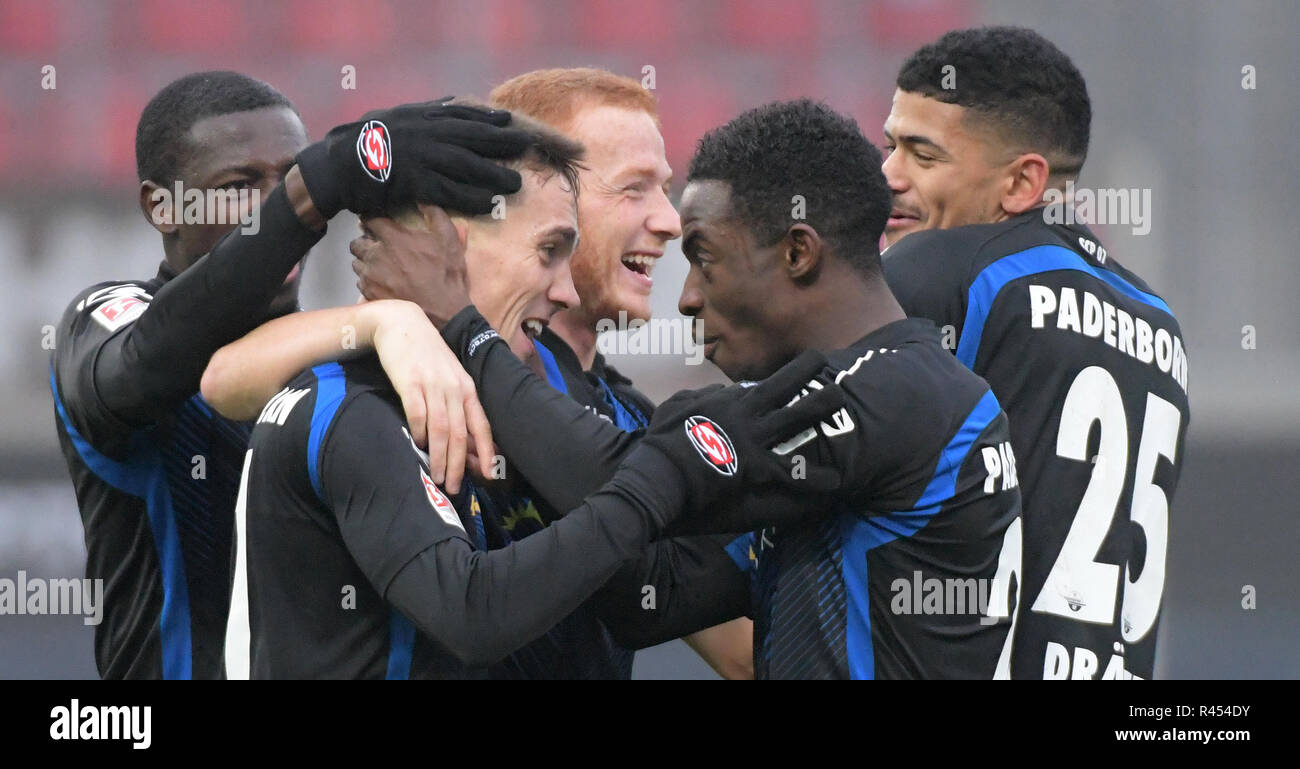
162	135
1018	81
775	152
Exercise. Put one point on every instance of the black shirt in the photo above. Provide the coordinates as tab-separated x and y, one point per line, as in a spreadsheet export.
921	500
579	647
353	564
1090	366
154	468
601	388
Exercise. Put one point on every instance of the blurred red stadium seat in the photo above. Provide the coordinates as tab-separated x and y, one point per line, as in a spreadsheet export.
512	24
771	23
688	111
184	26
126	100
339	26
711	58
604	24
912	23
6	142
29	26
420	23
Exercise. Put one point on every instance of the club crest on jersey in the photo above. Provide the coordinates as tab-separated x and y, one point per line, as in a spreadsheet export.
712	443
374	150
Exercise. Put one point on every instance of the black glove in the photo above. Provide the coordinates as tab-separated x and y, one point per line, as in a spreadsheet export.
431	152
721	438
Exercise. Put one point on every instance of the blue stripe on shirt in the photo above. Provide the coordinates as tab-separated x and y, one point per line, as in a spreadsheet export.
331	386
553	375
142	476
991	280
401	645
861	536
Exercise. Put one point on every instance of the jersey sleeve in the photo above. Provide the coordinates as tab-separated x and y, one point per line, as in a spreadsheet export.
480	606
675	588
92	322
153	355
537	427
370	474
883	445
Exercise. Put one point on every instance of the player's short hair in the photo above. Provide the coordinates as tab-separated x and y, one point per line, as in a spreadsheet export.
549	153
555	96
803	148
162	135
1017	80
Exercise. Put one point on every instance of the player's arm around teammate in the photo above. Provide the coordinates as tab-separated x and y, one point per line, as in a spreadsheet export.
530	413
438	397
143	371
528	416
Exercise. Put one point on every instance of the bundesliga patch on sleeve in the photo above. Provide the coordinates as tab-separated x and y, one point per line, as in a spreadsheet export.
441	505
118	305
116	313
446	511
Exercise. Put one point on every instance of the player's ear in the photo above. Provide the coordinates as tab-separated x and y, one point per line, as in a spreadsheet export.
1026	182
803	250
462	225
157	206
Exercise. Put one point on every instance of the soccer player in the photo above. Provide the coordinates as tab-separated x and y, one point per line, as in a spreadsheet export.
626	219
155	470
1087	360
921	497
349	547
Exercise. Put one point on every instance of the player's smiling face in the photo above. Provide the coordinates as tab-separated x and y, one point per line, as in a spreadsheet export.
624	210
942	168
250	150
735	286
518	266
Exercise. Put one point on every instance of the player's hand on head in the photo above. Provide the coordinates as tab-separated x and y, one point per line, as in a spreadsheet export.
439	398
425	266
725	440
429	152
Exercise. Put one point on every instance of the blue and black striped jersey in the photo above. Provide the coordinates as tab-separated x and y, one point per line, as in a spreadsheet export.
908	575
352	563
1091	368
929	512
154	468
156	502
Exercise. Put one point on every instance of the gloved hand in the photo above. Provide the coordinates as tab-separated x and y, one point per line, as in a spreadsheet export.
721	438
431	152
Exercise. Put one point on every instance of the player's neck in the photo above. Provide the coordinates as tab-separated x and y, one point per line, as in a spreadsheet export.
579	332
852	306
